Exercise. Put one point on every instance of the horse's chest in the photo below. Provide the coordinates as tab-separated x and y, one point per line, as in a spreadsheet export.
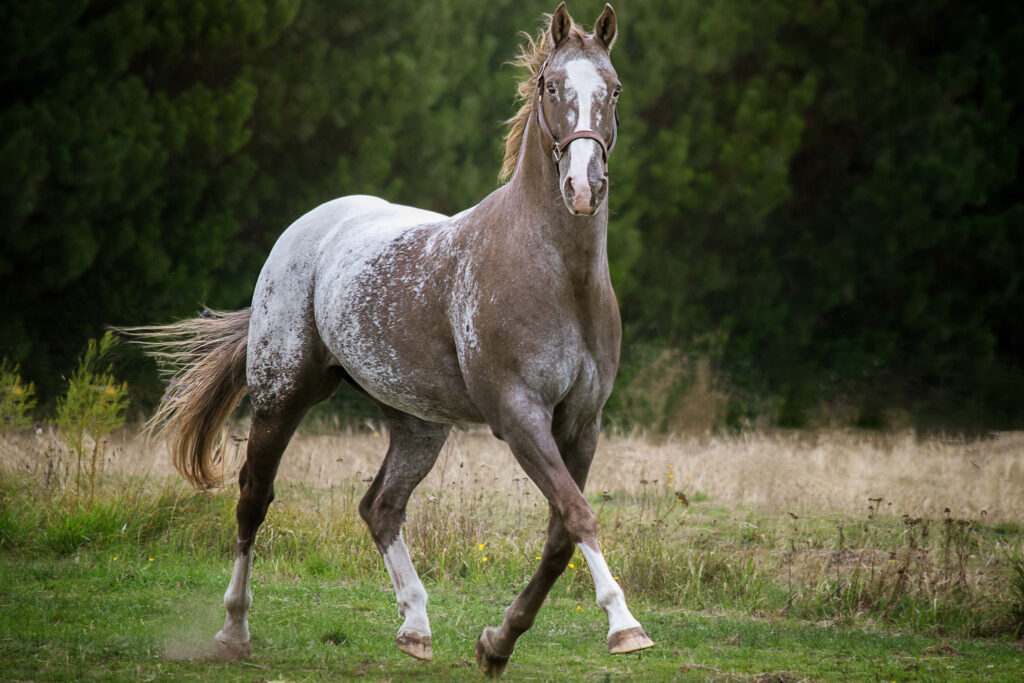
549	357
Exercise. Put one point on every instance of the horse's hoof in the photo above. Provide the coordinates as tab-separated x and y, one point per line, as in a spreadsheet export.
230	652
628	640
415	645
491	664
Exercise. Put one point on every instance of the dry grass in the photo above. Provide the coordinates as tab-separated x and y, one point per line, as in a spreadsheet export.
764	523
798	472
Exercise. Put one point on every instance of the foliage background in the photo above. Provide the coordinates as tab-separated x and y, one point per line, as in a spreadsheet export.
817	207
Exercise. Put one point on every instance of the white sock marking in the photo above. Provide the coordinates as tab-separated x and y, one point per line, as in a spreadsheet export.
409	590
237	600
609	594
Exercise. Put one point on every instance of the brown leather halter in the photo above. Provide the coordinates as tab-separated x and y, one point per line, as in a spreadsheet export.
558	147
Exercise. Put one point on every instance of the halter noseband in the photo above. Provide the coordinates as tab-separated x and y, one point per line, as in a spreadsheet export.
558	147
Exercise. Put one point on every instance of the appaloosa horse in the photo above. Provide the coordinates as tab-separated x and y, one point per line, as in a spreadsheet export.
502	314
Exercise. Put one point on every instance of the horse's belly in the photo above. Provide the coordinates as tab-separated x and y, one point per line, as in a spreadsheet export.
417	379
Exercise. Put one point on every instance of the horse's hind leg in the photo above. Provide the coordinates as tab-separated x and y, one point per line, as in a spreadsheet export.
273	423
412	453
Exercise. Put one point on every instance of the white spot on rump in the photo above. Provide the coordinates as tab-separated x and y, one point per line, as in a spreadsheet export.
337	279
280	323
360	257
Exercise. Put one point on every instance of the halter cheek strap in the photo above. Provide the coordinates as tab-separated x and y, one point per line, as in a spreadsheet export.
558	147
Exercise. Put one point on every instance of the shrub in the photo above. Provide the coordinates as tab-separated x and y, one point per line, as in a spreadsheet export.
1015	597
17	399
92	408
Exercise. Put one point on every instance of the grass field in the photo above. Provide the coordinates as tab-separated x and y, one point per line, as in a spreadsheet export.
754	557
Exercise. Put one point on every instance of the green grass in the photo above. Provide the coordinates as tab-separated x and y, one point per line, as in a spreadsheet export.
129	587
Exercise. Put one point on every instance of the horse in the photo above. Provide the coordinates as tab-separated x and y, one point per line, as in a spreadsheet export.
503	314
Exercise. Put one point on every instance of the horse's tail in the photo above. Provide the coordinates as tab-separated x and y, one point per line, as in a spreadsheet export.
203	359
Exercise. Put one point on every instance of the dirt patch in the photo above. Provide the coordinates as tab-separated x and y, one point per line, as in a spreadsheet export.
777	677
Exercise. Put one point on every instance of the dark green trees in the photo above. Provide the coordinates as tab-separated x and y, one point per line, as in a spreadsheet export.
834	190
124	164
821	197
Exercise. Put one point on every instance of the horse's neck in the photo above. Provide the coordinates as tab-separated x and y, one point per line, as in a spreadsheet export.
533	201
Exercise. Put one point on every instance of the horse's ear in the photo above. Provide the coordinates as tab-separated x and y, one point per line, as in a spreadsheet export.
561	24
605	27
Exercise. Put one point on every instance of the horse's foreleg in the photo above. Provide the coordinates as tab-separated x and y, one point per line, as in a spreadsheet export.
577	453
411	454
624	632
573	523
268	437
495	645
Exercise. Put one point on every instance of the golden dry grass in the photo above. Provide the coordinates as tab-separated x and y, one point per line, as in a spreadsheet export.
799	472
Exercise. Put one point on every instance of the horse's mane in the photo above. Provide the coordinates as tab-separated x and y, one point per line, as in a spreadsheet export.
531	57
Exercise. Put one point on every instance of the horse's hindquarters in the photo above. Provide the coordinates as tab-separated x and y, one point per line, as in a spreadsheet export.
378	304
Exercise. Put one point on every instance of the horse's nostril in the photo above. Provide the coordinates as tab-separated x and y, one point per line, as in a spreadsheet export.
568	187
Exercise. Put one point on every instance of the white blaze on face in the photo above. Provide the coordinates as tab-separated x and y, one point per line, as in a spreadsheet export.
585	87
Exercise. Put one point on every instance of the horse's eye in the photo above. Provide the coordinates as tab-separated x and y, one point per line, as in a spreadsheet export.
551	89
616	91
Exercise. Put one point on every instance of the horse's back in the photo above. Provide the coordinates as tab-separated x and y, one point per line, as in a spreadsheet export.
373	213
350	218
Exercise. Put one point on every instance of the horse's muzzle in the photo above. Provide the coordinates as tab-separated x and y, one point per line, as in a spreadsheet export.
583	196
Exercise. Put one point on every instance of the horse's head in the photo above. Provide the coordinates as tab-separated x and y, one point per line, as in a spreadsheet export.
577	92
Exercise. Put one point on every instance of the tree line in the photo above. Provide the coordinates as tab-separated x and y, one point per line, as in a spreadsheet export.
814	202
